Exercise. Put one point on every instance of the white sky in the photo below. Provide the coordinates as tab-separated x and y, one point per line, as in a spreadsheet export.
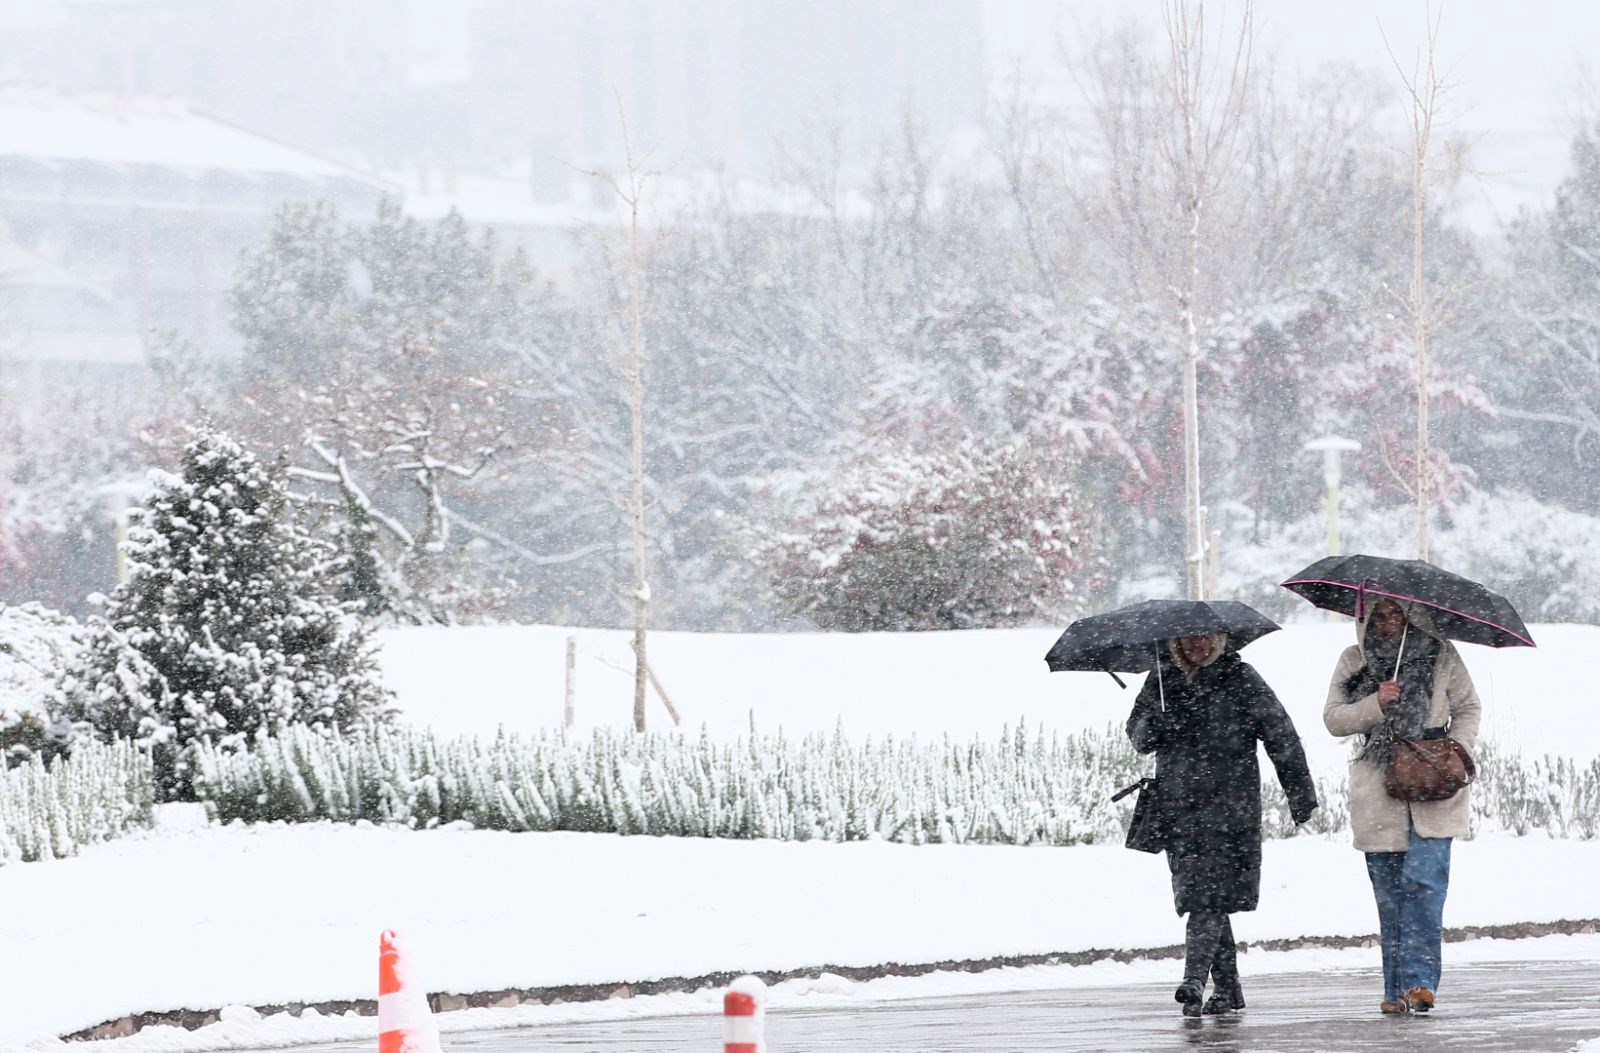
1518	66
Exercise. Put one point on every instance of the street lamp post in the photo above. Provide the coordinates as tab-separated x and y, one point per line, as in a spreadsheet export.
1332	446
119	496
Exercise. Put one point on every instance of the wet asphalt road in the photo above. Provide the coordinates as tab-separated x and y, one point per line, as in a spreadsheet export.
1522	1007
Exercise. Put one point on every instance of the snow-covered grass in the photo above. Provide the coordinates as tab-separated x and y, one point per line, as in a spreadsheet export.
273	914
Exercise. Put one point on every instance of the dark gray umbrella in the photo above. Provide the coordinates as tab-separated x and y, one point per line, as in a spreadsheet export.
1123	640
1461	608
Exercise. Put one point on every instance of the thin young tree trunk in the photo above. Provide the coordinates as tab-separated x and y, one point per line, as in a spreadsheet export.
1206	139
1420	327
1195	541
1425	90
635	374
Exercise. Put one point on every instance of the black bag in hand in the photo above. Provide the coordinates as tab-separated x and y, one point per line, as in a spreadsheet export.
1144	829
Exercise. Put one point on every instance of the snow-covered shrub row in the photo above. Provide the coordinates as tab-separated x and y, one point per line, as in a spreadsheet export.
49	812
1555	795
1023	788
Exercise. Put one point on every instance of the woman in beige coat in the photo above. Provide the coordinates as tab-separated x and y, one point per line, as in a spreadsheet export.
1402	679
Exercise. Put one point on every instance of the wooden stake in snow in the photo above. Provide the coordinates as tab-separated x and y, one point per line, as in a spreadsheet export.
572	680
655	681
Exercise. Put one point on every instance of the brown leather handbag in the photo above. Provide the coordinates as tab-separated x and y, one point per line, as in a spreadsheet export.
1432	768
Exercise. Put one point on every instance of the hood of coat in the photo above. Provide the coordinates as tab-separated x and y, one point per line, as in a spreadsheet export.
1418	619
1219	645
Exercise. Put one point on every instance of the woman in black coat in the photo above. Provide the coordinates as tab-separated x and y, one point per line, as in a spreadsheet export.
1201	712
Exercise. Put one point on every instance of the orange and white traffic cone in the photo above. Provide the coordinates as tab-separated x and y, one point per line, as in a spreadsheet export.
405	1024
744	1016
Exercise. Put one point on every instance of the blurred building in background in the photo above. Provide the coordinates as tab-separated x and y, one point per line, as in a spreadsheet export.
715	82
144	144
123	216
503	87
329	75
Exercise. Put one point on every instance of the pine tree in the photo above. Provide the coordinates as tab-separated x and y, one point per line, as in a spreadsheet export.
226	624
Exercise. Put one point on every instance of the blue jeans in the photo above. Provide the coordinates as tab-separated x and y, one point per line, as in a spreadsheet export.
1410	887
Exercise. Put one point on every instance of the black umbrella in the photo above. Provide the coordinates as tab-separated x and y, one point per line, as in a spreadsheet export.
1462	609
1123	640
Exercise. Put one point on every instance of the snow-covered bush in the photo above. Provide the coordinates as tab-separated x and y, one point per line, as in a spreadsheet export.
37	646
1545	559
972	536
50	811
1553	795
226	624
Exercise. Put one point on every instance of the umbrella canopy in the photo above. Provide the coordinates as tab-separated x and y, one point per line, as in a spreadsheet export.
1123	640
1462	609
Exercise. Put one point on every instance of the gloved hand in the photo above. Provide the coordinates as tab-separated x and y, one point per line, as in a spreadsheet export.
1165	725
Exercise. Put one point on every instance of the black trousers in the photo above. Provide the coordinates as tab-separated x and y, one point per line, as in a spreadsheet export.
1210	950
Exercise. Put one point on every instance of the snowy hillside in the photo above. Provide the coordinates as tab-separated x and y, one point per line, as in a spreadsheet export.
473	680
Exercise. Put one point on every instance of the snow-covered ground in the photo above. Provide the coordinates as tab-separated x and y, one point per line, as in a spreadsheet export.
958	683
266	915
278	914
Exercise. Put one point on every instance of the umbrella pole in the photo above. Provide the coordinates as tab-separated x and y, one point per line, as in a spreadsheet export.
1401	653
1161	687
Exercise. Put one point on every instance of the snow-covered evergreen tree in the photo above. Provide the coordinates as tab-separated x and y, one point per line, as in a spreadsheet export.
226	624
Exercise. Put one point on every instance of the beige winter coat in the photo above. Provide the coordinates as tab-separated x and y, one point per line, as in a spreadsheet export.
1381	823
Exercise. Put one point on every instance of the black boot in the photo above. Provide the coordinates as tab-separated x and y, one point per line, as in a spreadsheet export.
1223	1000
1227	994
1200	948
1200	936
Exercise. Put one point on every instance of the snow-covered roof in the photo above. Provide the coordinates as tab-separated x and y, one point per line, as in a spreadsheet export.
585	200
45	123
19	267
58	347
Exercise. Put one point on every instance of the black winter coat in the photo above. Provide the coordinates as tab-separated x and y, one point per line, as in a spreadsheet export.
1208	782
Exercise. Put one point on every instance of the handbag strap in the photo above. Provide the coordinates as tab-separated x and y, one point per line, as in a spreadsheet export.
1120	794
